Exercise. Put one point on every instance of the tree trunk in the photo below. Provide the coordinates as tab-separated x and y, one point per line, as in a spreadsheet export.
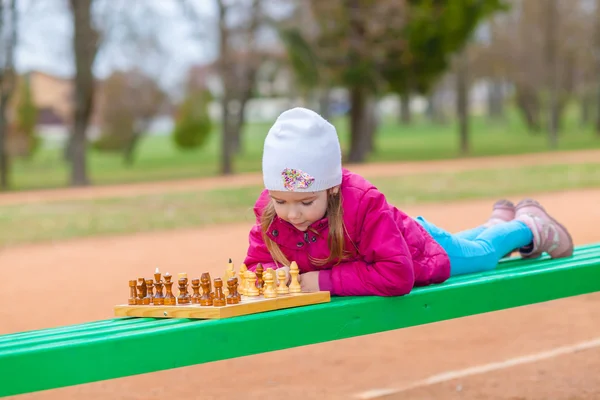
85	46
405	114
434	111
226	139
597	64
598	111
552	73
129	151
372	122
7	84
529	106
462	103
324	103
586	109
495	100
4	161
360	135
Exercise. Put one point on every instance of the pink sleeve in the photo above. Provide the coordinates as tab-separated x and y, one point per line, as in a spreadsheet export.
257	249
386	267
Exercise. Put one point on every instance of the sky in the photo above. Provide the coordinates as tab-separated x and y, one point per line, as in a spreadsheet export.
46	32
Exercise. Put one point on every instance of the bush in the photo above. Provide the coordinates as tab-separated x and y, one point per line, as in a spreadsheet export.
24	139
193	124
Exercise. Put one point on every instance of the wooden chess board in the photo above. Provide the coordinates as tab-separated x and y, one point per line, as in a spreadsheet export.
247	305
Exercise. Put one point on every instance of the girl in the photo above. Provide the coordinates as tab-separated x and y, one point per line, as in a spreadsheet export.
347	239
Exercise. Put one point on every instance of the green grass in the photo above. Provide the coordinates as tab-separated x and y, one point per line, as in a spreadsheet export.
28	223
157	159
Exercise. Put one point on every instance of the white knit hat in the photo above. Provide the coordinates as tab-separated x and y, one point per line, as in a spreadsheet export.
301	153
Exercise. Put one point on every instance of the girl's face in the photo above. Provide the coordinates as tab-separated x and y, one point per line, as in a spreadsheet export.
300	209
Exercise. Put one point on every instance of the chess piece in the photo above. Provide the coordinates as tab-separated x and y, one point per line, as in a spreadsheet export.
269	289
251	289
205	299
229	273
295	284
260	283
184	296
159	298
282	288
149	291
219	300
141	291
142	285
242	279
196	289
132	292
233	297
169	297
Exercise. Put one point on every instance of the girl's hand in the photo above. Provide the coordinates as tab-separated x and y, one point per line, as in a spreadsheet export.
309	281
288	277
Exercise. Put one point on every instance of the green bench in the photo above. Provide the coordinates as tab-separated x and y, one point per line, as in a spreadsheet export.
113	348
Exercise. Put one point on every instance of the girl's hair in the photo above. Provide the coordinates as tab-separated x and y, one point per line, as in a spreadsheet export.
337	231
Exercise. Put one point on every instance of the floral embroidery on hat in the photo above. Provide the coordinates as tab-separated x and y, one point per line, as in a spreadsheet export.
296	179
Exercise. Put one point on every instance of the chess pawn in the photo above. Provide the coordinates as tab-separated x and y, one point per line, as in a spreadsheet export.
205	299
132	292
150	290
184	297
260	283
251	289
233	297
169	297
219	300
269	289
295	284
196	289
242	279
282	288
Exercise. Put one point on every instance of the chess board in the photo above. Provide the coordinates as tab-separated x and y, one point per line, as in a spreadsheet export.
247	305
254	292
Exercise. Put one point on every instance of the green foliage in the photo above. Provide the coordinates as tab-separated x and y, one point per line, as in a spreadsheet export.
26	120
193	124
435	30
301	57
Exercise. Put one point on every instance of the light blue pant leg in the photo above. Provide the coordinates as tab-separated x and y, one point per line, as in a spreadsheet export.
470	234
483	252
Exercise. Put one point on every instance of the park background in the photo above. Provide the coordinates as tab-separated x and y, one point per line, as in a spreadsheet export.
131	136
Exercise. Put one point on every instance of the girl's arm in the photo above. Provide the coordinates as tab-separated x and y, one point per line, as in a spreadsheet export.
385	268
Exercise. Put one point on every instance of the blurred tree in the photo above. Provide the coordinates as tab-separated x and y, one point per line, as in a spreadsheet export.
371	46
238	63
24	136
596	61
130	101
434	31
85	47
8	42
193	124
542	49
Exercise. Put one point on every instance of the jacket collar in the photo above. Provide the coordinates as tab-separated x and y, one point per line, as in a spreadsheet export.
283	232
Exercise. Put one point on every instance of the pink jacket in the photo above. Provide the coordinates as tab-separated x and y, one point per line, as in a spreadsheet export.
394	252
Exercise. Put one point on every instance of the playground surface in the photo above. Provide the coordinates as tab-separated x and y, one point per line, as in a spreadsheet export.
535	352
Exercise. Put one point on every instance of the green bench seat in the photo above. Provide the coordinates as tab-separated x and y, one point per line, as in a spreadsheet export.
113	348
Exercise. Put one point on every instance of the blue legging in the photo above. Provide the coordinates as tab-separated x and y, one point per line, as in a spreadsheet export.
481	248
